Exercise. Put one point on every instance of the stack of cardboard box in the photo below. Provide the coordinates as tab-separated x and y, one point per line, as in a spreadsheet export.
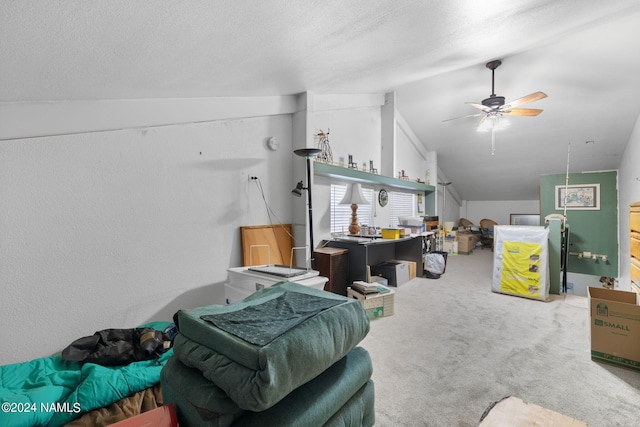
377	300
467	242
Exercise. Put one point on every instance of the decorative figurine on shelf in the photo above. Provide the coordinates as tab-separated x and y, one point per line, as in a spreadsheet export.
352	164
401	175
325	156
371	168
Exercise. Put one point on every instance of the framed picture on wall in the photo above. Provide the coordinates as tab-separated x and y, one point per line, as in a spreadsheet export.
578	197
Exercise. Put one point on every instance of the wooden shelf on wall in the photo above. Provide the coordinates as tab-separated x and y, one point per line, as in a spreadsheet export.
354	175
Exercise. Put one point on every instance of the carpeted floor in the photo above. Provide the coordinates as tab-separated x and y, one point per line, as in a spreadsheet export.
453	347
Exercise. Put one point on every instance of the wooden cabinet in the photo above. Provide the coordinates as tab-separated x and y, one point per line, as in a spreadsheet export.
634	245
333	263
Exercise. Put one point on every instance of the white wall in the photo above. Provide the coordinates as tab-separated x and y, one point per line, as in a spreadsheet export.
355	131
497	210
112	229
628	191
410	156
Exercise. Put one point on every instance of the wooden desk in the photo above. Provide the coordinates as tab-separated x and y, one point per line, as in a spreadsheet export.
366	252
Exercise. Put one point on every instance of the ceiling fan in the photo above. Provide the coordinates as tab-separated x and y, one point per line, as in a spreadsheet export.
494	107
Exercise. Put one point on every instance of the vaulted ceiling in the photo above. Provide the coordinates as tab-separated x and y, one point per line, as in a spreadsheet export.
582	53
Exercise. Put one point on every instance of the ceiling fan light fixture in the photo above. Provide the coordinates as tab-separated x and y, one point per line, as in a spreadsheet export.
494	107
492	122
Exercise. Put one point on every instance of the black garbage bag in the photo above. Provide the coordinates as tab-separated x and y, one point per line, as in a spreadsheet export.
113	347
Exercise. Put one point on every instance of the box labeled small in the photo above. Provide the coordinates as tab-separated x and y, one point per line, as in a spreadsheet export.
615	327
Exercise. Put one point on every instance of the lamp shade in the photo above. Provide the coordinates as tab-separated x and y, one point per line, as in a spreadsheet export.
354	196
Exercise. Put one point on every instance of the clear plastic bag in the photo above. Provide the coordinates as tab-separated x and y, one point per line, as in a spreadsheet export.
435	263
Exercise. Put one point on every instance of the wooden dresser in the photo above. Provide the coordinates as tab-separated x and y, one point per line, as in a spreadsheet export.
634	245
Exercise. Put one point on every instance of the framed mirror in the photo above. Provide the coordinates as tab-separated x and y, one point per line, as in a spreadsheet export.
524	219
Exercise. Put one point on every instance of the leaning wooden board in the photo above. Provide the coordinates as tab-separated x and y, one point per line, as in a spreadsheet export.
266	244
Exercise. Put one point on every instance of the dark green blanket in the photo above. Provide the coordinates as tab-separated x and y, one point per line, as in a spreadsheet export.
262	323
342	395
257	377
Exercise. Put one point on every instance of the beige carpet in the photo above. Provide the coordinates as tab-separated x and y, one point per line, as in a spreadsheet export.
453	347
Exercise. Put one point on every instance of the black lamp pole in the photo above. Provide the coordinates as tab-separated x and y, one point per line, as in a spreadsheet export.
308	153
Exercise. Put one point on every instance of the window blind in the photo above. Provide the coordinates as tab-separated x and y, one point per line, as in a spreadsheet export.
402	204
341	214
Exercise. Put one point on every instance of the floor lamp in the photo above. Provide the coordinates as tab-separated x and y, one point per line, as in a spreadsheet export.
307	153
444	199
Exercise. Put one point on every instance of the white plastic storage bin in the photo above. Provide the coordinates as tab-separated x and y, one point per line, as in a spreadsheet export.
243	282
233	294
242	277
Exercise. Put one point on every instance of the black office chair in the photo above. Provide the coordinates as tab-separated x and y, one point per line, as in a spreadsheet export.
486	226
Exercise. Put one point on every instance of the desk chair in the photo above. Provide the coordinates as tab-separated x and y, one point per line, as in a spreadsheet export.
486	226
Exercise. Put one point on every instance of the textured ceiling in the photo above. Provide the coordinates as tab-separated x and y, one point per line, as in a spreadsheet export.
582	53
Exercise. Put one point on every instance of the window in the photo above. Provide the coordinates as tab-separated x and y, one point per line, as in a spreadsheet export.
402	204
341	214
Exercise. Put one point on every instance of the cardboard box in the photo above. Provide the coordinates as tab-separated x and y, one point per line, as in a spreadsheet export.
397	273
379	280
615	327
466	243
375	305
411	265
447	246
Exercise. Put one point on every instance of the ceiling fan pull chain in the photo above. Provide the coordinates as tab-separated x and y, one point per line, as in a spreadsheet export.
493	141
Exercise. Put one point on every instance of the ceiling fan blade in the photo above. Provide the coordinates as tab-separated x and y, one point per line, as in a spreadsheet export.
481	121
463	117
522	112
536	96
479	106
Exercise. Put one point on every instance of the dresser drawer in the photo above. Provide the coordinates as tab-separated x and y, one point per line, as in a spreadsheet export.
634	245
634	219
635	271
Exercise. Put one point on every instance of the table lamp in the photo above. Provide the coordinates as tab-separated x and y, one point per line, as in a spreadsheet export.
354	197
